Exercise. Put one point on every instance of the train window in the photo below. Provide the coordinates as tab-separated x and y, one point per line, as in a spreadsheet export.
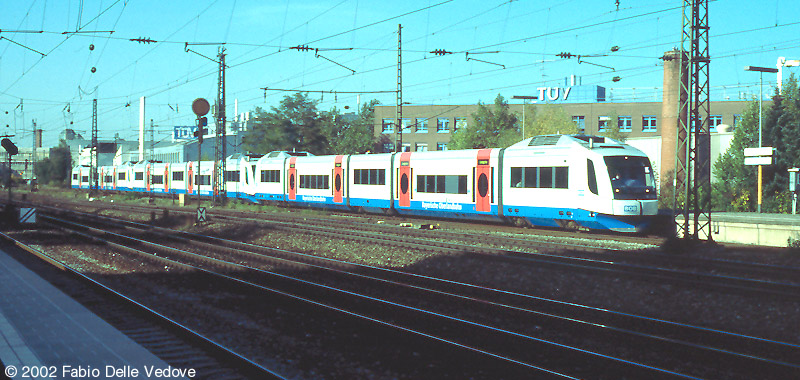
231	176
449	184
177	176
270	176
121	176
369	176
138	176
546	177
562	177
85	178
592	176
631	177
203	180
75	177
314	182
157	179
108	178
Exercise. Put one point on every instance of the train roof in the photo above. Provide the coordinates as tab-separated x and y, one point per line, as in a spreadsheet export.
584	141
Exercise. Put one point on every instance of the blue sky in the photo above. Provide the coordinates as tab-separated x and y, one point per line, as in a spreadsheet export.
50	72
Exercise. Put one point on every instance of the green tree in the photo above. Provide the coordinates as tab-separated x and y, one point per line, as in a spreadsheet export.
547	120
781	130
492	127
353	135
56	168
735	184
295	124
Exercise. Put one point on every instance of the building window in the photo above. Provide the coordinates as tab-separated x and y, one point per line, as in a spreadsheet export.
406	147
737	118
461	122
713	122
406	124
624	123
387	126
447	184
441	146
421	148
649	123
602	123
388	147
580	122
369	176
442	125
422	125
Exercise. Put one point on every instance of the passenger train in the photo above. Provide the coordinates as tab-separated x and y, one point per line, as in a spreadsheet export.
567	181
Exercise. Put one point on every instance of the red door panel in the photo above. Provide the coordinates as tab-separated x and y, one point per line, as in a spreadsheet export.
483	182
404	180
189	180
338	180
292	179
166	178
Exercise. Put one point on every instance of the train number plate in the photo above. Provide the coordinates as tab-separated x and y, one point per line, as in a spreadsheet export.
631	208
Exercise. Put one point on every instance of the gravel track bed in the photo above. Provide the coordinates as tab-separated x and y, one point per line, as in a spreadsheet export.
298	345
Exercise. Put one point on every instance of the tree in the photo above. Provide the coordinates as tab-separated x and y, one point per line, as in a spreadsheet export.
547	120
781	130
735	184
55	169
493	127
295	124
353	135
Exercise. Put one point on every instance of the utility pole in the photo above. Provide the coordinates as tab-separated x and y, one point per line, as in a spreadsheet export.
399	106
219	193
152	142
93	180
33	157
693	164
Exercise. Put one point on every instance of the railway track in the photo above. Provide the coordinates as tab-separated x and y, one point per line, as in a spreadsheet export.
169	340
722	275
497	337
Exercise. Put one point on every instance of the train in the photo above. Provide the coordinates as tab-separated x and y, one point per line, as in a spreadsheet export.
575	182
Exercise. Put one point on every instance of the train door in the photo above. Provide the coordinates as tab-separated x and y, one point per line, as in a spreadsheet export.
292	178
189	180
483	182
114	181
166	178
147	178
338	180
404	180
102	180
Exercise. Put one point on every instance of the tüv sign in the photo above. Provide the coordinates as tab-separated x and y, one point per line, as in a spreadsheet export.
554	93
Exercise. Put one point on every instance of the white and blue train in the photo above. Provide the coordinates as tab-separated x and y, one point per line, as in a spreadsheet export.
568	181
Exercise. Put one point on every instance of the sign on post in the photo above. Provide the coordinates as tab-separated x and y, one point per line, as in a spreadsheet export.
201	215
27	215
758	156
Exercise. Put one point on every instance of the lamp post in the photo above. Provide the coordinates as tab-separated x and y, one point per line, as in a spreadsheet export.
761	71
525	99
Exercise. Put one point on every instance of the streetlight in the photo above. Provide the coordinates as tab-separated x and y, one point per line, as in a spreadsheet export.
761	71
525	99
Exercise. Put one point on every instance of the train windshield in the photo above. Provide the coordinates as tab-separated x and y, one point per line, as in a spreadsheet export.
631	177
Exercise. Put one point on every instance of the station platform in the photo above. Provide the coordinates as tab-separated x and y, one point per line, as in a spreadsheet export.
42	327
772	230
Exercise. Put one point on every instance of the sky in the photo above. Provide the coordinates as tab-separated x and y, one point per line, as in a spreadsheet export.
57	56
